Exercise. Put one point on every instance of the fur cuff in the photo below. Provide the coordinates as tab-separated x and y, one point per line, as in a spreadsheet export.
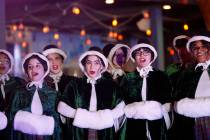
118	111
150	110
193	108
66	110
3	121
94	120
29	123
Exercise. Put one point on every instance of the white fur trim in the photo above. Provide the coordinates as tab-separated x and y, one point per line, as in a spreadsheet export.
3	121
118	111
40	56
196	38
143	45
10	57
93	53
193	108
29	123
150	110
114	49
55	50
177	38
66	110
93	119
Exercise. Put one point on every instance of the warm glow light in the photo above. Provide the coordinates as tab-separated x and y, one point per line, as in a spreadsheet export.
21	26
148	32
20	34
45	29
59	44
111	34
82	32
14	27
115	34
88	42
24	44
146	14
56	36
76	10
166	7
185	27
109	1
114	22
120	37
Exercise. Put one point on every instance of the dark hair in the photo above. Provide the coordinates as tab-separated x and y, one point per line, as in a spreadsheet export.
206	44
7	58
52	46
149	50
85	58
44	63
107	48
181	43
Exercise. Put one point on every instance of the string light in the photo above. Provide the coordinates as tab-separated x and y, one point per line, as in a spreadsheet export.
146	14
166	7
88	42
148	32
21	26
24	44
14	27
20	34
45	29
114	22
186	27
111	34
120	37
75	10
109	1
56	36
115	34
171	51
59	44
82	32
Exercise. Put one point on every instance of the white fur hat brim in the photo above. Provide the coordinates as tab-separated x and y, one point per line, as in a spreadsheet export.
10	57
143	45
196	38
117	46
179	37
40	56
55	50
93	53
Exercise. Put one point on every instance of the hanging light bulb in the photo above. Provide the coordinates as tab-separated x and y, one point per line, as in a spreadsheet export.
186	27
166	7
82	32
109	1
148	32
88	42
59	44
120	37
21	26
24	44
45	29
56	36
146	14
114	22
76	10
110	34
20	34
14	27
115	34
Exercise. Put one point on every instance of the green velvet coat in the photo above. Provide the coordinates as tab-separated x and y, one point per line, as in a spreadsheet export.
158	89
77	95
10	87
183	127
22	101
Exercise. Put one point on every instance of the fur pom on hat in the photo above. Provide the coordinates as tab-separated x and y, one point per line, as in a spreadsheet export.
54	49
93	51
11	58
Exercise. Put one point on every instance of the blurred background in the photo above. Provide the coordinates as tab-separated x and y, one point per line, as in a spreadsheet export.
75	25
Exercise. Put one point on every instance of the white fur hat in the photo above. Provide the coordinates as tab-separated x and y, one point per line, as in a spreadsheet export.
93	51
10	57
196	38
143	45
